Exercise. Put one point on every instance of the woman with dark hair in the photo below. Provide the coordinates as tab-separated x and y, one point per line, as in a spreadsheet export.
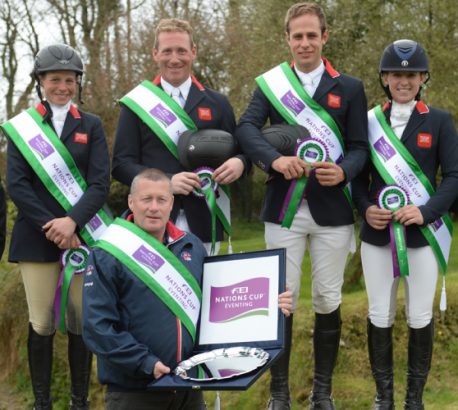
58	176
406	232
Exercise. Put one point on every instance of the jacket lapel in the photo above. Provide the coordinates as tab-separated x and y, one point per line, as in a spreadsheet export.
415	120
194	97
70	124
326	84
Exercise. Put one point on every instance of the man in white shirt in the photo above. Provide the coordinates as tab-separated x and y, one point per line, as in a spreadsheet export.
324	218
137	147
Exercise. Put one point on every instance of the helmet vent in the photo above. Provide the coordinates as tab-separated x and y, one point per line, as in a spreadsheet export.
405	52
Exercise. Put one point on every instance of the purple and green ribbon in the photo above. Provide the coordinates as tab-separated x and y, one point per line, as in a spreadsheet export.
393	198
207	190
73	262
309	150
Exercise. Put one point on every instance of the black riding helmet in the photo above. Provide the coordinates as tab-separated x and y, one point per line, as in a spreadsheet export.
285	137
57	57
404	55
206	148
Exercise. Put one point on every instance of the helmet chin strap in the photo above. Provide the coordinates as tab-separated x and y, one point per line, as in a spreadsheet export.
45	103
418	96
80	92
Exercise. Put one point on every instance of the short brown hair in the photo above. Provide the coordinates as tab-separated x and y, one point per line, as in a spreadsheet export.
306	8
173	25
151	174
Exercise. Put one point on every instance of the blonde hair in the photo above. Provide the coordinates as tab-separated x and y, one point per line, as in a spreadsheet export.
306	8
173	25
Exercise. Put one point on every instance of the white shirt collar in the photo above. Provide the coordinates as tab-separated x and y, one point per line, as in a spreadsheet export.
184	88
59	112
315	75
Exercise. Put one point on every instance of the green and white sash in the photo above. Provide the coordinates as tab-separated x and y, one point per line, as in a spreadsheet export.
50	159
157	267
283	89
168	121
397	166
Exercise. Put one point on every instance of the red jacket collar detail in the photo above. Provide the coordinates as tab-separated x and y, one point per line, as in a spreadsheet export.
42	110
386	105
157	81
174	232
422	107
328	67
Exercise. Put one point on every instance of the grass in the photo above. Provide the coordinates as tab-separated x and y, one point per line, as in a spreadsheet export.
353	388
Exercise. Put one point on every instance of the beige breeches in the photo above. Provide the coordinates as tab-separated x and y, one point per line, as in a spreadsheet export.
40	283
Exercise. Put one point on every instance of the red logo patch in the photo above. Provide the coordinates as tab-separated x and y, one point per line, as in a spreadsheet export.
205	114
81	138
333	100
424	140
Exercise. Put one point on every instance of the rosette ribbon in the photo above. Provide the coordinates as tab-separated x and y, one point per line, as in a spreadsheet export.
392	198
310	150
73	262
207	191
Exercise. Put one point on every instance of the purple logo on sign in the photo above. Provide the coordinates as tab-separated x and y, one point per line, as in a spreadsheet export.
392	200
95	223
41	147
292	103
247	298
76	258
339	160
148	259
438	224
311	154
163	115
385	150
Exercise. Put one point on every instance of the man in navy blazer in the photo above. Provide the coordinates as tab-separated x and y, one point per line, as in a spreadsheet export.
2	219
137	147
325	217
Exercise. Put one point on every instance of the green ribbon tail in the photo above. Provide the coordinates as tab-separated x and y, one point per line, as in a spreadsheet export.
292	201
401	249
65	282
211	202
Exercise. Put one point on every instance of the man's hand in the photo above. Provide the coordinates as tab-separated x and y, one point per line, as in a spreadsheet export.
229	172
60	230
285	303
73	243
378	218
160	369
328	173
409	215
291	167
184	182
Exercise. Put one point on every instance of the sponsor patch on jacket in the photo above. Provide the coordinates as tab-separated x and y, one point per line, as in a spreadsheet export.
89	270
186	256
81	138
205	114
333	100
424	140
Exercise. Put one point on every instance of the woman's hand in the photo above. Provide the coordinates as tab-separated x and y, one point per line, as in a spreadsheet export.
60	230
378	218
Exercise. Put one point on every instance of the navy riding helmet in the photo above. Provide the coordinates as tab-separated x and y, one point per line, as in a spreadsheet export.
404	55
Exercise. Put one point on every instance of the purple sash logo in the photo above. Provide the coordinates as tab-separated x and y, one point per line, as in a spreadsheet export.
163	115
233	302
339	160
41	147
295	105
384	149
437	225
95	223
148	259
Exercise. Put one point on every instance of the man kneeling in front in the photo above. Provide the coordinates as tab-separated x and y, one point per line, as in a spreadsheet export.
135	325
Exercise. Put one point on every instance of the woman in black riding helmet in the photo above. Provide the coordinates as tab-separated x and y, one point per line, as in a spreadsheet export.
43	227
409	142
